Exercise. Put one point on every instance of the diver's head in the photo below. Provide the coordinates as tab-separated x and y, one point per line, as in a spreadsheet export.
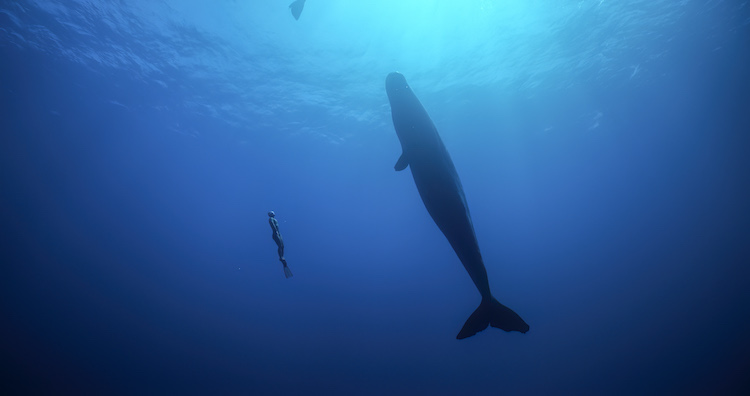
271	214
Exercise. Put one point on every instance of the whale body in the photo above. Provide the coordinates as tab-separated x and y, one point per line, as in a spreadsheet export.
442	194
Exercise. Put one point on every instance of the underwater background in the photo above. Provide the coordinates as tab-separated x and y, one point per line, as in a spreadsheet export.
603	147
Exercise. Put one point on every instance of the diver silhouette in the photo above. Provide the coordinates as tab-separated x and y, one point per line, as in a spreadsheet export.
279	242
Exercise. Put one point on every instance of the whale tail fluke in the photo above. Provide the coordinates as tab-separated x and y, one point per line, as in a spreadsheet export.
492	313
297	7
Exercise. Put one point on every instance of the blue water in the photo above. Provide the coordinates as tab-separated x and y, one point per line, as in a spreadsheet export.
603	148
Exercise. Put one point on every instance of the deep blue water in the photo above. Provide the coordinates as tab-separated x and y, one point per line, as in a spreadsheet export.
603	148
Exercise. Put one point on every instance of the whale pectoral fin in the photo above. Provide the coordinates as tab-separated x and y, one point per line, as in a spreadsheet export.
402	163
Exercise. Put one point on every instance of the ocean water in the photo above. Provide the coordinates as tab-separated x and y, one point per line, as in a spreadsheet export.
603	147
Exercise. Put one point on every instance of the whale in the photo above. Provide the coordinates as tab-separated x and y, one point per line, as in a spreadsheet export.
438	184
296	8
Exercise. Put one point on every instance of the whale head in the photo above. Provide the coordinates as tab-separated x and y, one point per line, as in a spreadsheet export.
395	84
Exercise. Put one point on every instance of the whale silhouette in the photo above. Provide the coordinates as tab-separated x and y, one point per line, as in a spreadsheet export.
297	7
443	196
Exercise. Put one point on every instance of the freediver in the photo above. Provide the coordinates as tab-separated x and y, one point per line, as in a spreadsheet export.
279	242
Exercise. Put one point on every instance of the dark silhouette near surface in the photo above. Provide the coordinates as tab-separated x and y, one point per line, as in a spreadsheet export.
443	196
297	7
279	242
